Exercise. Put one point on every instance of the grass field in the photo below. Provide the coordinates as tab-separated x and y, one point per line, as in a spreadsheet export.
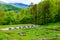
46	32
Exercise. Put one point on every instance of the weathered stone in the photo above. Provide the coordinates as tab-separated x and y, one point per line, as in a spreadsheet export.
24	27
15	28
28	26
22	34
10	28
19	27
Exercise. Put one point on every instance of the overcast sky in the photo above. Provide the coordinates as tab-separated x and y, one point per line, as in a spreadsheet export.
22	1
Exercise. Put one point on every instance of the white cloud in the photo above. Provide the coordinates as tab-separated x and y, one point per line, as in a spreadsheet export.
22	1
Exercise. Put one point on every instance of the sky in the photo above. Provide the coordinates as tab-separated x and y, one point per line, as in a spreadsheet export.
22	1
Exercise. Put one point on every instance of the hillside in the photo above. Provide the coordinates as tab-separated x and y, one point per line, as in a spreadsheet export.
38	22
10	7
20	5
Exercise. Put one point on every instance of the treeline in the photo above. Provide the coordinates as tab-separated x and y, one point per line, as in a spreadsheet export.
47	11
11	17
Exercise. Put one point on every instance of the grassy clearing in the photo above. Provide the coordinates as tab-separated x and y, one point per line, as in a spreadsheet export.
50	31
7	26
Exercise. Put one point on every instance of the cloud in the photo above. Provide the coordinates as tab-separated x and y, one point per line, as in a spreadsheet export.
22	1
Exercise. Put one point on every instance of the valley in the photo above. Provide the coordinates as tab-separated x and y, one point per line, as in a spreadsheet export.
30	21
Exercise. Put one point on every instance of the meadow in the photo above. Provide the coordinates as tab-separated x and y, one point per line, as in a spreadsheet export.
46	32
45	14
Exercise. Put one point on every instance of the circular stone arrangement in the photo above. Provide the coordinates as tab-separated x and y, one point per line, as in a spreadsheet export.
19	27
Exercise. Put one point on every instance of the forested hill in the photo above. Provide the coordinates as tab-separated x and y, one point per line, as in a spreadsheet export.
47	11
9	7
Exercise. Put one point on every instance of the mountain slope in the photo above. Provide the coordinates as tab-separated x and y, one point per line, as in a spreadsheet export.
20	5
10	7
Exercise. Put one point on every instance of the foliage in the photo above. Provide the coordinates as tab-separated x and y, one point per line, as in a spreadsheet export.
9	7
45	12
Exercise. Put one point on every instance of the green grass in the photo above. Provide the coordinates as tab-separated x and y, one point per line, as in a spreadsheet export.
7	26
31	33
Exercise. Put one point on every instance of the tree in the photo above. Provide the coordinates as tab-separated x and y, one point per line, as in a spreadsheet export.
45	11
10	17
2	17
